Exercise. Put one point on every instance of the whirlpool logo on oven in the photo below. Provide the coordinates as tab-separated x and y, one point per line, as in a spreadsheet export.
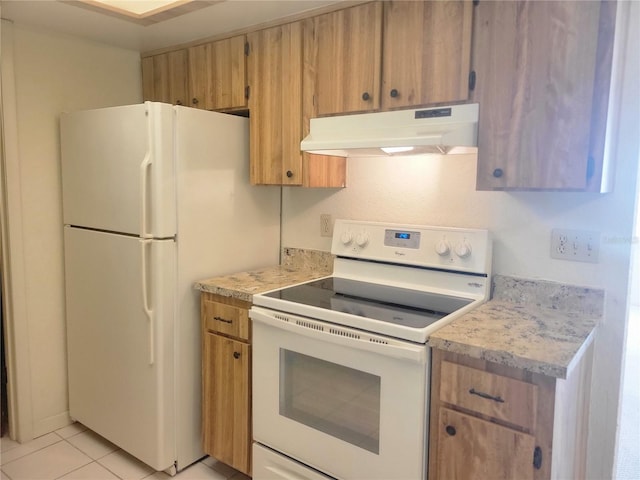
399	254
475	284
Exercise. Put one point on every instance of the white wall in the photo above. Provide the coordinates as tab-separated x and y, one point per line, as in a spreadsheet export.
441	191
53	73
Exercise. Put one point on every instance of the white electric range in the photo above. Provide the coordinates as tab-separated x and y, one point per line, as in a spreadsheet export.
341	365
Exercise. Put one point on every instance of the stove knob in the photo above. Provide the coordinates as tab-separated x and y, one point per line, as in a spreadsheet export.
346	237
362	239
442	248
463	249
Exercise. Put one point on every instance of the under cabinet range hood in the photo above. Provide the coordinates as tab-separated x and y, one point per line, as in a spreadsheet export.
442	130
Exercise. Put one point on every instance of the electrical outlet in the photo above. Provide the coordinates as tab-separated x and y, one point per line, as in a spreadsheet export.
575	245
326	225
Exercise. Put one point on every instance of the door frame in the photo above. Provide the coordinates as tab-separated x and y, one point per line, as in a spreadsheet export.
14	285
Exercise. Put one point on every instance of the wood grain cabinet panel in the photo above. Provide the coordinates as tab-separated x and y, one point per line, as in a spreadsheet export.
226	388
217	75
518	425
542	76
473	449
226	380
426	52
276	66
275	105
164	78
348	59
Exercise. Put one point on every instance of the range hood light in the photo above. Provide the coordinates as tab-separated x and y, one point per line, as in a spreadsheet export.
392	150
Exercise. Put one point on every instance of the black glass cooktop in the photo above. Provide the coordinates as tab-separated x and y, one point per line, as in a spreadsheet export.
411	308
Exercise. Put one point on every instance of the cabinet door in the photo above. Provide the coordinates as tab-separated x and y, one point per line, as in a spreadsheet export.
217	74
226	401
275	103
164	78
535	64
348	59
473	449
426	52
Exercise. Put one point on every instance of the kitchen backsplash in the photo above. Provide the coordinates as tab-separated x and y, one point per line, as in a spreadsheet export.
307	259
546	294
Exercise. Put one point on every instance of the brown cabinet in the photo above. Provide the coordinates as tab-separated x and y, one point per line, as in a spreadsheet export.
542	81
226	380
426	53
217	75
348	46
493	421
275	71
164	78
393	54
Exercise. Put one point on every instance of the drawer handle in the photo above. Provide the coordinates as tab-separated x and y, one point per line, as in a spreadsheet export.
236	355
220	319
473	391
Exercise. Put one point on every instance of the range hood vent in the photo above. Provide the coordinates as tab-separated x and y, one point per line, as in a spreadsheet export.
442	130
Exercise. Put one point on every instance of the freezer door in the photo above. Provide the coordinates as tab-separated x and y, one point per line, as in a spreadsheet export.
120	331
118	169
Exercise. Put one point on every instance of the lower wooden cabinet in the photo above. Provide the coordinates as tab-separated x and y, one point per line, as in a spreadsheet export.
226	381
490	421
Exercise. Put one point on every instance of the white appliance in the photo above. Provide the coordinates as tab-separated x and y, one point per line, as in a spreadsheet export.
341	365
155	197
442	130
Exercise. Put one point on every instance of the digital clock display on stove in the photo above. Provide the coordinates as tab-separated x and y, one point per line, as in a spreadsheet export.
401	238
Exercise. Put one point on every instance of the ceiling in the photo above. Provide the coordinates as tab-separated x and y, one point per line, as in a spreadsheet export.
218	18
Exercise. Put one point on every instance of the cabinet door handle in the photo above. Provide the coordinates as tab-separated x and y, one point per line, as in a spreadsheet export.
498	172
393	93
178	102
220	319
194	101
366	96
236	355
537	458
473	391
451	430
289	173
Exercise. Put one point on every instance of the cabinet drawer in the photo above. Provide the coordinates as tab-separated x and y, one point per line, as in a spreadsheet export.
500	397
226	319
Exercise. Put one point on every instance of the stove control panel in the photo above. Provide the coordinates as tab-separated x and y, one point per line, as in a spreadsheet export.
450	248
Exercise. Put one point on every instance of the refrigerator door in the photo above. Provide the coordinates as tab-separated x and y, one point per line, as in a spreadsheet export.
118	169
120	330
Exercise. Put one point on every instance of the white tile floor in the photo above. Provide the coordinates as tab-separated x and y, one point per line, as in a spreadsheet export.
76	453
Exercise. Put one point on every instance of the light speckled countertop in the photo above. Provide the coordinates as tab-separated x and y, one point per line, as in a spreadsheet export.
244	285
534	325
537	326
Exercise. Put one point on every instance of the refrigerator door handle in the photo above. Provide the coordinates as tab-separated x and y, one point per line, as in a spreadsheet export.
144	182
148	310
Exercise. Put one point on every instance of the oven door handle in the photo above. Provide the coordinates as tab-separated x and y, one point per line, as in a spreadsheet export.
339	335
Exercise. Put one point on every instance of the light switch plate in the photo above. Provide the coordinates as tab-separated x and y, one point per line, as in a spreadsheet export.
575	245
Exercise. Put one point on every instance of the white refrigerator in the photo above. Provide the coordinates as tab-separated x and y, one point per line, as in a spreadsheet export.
155	197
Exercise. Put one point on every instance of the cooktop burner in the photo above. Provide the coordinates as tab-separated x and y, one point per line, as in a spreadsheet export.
400	306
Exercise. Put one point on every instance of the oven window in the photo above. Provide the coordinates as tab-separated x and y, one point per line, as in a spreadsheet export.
334	399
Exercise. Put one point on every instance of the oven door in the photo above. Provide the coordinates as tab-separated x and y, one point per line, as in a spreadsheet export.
347	403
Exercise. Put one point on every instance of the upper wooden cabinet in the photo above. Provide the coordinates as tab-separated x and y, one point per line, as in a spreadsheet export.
275	105
164	78
426	52
217	75
275	71
347	62
393	54
543	73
